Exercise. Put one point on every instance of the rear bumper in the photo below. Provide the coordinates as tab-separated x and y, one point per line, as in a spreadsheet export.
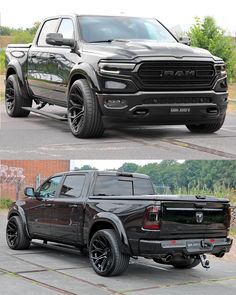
158	107
153	248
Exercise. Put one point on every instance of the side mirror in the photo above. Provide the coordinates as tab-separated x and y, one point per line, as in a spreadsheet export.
29	192
58	40
185	40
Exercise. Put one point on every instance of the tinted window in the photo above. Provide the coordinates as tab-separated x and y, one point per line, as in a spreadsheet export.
99	28
143	187
72	186
49	188
66	28
122	186
113	186
48	27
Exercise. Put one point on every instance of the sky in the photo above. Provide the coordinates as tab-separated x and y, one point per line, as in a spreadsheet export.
107	164
23	13
110	164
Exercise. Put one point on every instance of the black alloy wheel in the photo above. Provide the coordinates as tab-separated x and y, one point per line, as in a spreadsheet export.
101	254
75	109
16	98
105	253
84	115
16	236
12	233
9	96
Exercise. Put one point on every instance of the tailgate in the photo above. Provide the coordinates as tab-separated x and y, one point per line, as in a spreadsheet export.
195	219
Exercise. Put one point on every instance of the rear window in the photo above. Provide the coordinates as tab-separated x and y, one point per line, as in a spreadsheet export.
122	186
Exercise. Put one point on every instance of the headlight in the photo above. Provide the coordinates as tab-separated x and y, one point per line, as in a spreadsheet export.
221	70
114	68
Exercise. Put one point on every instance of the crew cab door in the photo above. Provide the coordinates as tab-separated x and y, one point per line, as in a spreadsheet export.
39	213
49	66
67	220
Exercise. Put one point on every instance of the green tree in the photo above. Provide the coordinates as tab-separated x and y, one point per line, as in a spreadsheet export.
22	36
85	167
5	31
206	34
129	167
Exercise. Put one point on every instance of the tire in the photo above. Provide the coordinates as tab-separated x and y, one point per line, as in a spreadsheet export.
104	243
15	234
84	116
207	128
15	99
187	263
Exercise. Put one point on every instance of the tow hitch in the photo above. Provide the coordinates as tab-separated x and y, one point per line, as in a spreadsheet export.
204	262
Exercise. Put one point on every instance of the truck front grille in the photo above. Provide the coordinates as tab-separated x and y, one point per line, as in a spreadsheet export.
178	75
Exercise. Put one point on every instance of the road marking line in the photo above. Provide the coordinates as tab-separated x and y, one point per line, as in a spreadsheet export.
199	148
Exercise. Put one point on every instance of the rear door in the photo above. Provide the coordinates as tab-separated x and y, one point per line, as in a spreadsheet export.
67	214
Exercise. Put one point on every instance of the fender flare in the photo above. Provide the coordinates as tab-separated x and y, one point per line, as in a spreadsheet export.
88	72
15	65
116	223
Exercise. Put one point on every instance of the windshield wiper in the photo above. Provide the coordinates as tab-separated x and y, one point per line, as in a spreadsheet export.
110	41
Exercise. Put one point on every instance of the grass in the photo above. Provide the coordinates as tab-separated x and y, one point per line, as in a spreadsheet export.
2	61
232	91
233	232
5	203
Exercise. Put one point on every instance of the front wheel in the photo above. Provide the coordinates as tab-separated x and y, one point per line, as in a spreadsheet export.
207	128
105	254
84	116
15	234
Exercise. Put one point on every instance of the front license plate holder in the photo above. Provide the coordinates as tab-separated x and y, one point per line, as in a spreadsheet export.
180	110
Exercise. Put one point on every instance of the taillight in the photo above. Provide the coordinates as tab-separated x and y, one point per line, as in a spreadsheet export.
151	218
228	217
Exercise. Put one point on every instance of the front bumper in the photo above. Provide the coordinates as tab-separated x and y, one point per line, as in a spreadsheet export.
153	248
182	107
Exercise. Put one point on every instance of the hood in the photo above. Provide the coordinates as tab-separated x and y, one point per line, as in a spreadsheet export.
133	49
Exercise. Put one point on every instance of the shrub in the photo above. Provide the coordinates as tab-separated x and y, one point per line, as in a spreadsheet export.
206	34
2	61
5	203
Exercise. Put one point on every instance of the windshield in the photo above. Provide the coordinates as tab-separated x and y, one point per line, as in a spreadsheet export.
109	28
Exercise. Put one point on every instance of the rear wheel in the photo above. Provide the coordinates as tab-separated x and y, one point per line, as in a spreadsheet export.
105	254
15	99
15	234
84	115
207	128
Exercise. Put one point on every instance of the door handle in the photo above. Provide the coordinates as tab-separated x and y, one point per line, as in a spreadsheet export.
73	206
52	56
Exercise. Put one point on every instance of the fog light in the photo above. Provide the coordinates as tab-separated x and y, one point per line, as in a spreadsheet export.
115	103
223	84
114	85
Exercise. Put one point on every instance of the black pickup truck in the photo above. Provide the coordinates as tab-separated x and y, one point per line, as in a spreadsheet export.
126	69
117	216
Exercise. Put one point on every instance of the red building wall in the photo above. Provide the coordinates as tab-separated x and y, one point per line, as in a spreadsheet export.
26	172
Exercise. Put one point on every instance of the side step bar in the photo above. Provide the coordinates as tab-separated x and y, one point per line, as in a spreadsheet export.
46	114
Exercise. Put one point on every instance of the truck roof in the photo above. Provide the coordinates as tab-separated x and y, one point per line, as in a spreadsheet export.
78	15
100	172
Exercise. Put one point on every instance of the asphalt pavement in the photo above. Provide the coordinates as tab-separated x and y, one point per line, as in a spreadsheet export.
37	137
52	269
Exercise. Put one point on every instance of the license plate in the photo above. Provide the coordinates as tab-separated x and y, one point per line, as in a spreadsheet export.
180	110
